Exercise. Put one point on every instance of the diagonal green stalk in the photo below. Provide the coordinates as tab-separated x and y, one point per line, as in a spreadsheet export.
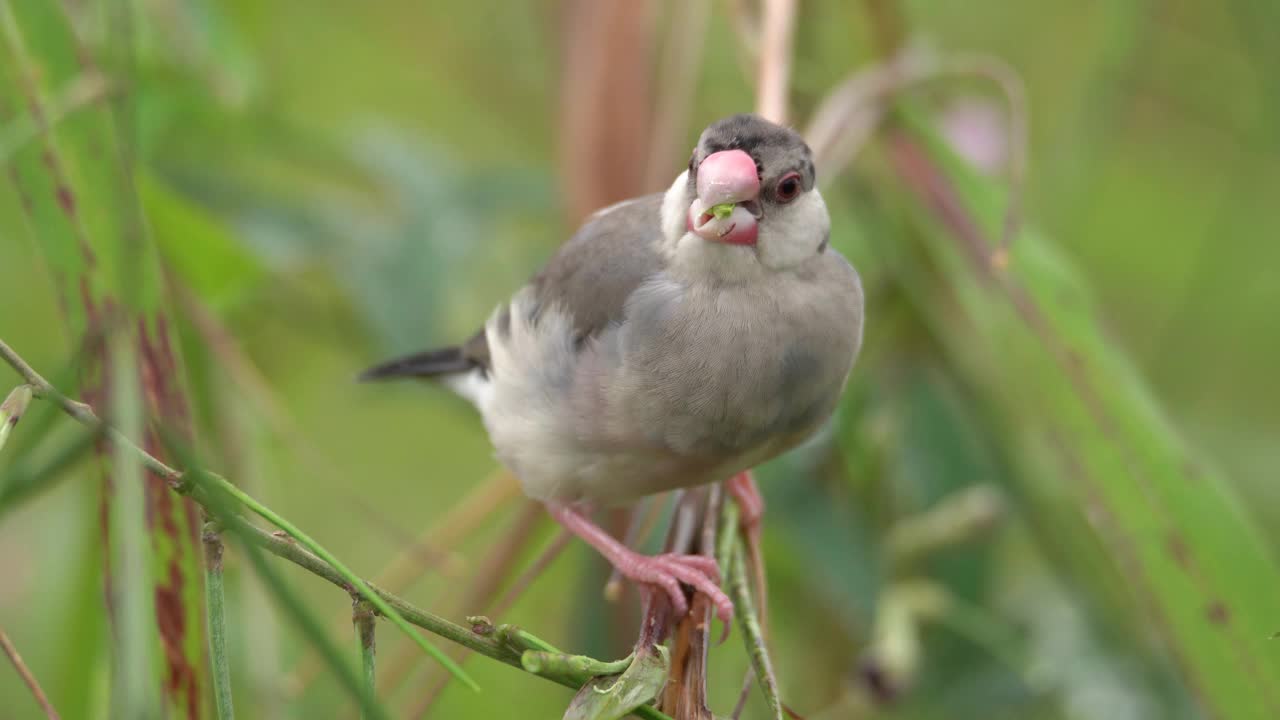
356	584
752	635
733	565
726	538
215	601
86	415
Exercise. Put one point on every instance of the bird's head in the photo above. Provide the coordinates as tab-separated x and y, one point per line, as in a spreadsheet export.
748	197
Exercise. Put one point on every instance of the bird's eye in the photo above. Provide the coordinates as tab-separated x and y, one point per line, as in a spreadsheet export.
788	188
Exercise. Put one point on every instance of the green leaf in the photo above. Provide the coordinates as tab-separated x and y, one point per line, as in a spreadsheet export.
1184	557
22	480
202	253
134	694
215	484
616	696
224	508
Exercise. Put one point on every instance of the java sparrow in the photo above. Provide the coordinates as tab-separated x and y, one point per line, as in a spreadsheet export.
676	339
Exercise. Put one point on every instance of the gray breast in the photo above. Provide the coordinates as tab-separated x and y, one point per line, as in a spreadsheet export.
721	371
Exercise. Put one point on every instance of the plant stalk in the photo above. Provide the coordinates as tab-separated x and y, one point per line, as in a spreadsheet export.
364	618
215	601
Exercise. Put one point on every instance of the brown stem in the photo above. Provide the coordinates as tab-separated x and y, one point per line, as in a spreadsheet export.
774	77
25	673
677	81
686	694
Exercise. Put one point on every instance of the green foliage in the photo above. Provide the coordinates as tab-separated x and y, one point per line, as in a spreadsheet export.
1191	556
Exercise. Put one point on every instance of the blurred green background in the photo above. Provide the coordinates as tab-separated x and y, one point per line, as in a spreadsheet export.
331	183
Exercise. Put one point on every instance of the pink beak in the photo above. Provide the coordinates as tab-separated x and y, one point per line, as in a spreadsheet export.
726	177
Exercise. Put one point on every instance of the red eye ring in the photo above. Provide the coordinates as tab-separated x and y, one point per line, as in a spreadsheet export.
788	188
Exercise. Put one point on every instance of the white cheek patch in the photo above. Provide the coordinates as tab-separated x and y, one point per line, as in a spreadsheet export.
674	214
791	233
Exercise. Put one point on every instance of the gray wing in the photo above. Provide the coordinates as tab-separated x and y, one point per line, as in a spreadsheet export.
591	276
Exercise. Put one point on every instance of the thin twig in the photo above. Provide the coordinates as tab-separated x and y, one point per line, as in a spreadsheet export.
500	608
406	567
774	76
1010	83
25	673
849	114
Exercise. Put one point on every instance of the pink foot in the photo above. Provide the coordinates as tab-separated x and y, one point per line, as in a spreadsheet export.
665	572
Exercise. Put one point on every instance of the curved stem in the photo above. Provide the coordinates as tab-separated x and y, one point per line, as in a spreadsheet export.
182	482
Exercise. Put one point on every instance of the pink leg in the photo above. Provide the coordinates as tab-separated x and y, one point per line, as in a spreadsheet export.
746	493
663	571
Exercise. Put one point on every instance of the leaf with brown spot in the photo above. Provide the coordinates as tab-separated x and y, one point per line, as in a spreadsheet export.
77	183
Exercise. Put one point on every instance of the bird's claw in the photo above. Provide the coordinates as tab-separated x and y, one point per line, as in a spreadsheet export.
666	572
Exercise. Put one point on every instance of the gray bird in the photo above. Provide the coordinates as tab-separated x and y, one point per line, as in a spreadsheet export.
676	339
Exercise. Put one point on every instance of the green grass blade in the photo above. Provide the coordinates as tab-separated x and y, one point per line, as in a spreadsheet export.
77	178
20	482
135	686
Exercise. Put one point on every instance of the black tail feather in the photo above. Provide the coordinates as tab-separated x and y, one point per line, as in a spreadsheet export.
430	363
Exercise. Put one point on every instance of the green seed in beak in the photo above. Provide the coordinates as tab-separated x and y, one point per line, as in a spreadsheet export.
722	211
